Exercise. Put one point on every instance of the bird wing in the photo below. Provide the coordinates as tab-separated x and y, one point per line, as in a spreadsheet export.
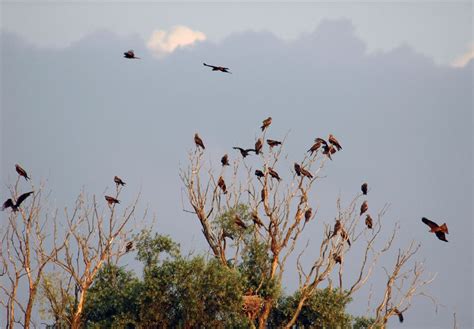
7	204
440	235
22	198
209	65
429	223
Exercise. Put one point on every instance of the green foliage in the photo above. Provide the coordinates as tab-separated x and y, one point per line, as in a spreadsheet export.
150	248
226	222
324	309
362	322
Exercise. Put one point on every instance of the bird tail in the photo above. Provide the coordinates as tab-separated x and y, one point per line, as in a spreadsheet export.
444	228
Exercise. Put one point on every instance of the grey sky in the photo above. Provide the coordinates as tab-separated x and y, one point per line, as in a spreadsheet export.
441	30
78	115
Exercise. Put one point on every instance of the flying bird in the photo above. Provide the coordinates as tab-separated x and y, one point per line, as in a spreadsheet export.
315	147
399	314
297	169
222	185
307	214
130	55
320	140
258	146
368	221
239	222
440	231
21	171
273	143
338	229
111	200
334	142
119	181
198	141
129	246
274	174
259	173
9	203
218	68
364	207
265	123
364	188
244	152
225	160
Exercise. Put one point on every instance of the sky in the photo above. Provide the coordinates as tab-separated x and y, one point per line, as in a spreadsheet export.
393	82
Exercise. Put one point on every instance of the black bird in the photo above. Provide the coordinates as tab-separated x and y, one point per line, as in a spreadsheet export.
21	171
129	246
315	147
239	222
256	220
440	231
244	152
338	229
9	203
320	140
306	173
334	142
274	174
273	143
259	173
225	160
297	169
258	146
328	150
368	221
111	200
307	214
130	55
222	185
119	181
265	123
364	188
363	207
400	315
198	141
218	68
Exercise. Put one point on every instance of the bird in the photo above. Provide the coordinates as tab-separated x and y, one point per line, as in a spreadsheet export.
225	160
218	68
337	258
400	314
244	152
273	143
222	185
328	150
256	219
297	169
130	54
239	222
315	147
334	142
440	231
265	123
364	207
305	173
320	140
368	221
258	146
119	181
198	141
364	188
111	200
307	214
9	203
274	174
259	173
338	229
129	246
21	171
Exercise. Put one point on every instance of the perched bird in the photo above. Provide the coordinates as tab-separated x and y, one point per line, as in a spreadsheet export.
315	147
259	173
364	188
328	150
239	222
306	173
111	200
244	152
258	146
364	207
400	314
273	143
21	171
334	142
307	214
198	141
338	229
297	169
222	185
119	181
129	246
9	203
440	231
130	55
274	174
218	68
225	160
320	140
337	258
368	221
265	123
256	220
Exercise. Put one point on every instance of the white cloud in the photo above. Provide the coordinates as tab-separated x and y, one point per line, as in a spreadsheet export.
462	60
162	42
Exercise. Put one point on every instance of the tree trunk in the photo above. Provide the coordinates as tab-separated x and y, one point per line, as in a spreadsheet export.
263	318
29	307
76	320
296	313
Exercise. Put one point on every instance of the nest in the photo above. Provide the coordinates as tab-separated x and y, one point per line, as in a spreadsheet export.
252	305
